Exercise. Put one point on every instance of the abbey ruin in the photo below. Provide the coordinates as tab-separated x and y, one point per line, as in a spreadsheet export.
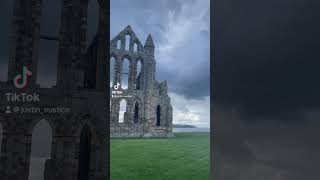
140	105
79	148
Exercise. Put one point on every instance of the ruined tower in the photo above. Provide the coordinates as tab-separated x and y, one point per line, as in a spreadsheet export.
147	111
79	149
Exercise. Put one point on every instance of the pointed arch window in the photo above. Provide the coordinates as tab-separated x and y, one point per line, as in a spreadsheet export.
135	47
125	74
119	44
127	47
123	109
40	149
138	75
158	115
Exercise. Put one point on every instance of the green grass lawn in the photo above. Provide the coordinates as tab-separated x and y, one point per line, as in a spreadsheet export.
185	157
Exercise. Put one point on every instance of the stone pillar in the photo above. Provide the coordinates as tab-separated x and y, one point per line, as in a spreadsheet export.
102	77
72	44
25	37
15	155
132	75
118	70
149	79
64	158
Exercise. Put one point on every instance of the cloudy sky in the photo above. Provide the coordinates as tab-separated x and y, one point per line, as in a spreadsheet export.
266	89
181	32
180	29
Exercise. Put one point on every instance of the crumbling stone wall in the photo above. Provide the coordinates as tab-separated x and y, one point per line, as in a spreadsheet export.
143	89
87	103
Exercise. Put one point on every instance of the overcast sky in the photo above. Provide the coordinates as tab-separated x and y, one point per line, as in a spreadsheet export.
180	29
181	33
267	90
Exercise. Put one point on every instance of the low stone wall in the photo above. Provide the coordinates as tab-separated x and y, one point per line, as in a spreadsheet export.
139	131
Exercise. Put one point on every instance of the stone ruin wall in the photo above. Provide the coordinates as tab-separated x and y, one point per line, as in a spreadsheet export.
143	88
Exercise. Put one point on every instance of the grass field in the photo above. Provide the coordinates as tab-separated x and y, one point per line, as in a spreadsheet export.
185	157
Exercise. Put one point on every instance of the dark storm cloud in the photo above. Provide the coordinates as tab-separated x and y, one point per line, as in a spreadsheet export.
265	149
267	54
266	89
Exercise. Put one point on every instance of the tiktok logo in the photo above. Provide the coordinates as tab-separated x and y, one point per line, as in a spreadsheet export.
21	80
116	87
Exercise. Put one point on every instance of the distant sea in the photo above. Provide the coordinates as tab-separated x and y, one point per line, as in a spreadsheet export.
191	129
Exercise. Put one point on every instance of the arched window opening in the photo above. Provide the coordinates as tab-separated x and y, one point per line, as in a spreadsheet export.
127	42
1	132
135	47
84	154
112	70
92	20
125	74
119	44
158	115
40	150
136	113
123	110
139	74
49	43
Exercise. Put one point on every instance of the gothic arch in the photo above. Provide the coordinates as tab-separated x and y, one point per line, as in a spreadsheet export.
118	44
126	56
138	45
48	43
87	139
125	73
41	148
84	123
140	58
139	73
36	121
122	110
135	47
127	42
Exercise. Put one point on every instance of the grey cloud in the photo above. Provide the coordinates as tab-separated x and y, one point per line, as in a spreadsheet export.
144	18
265	149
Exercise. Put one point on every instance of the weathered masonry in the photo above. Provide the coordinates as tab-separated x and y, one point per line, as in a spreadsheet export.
79	149
143	108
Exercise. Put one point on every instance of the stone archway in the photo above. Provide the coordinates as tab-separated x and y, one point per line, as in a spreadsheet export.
40	149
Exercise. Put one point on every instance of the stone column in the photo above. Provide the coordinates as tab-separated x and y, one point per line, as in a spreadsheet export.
25	37
149	79
132	74
16	149
72	44
102	77
118	70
